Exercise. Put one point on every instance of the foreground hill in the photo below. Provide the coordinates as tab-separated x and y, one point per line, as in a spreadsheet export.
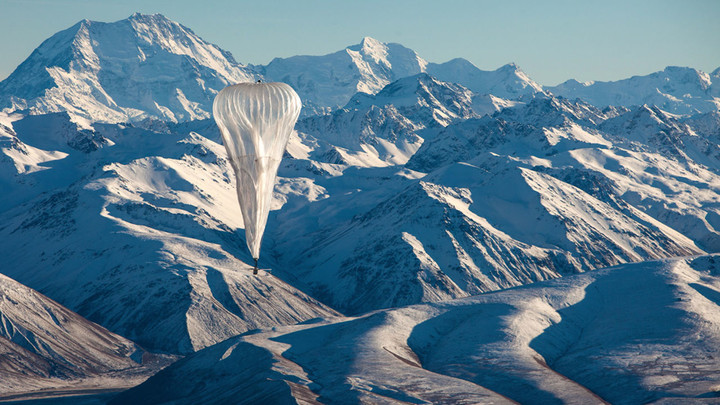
630	334
45	346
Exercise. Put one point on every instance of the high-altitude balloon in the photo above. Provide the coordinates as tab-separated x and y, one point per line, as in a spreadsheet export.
255	120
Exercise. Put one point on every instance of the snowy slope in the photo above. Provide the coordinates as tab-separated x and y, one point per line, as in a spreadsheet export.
551	188
679	90
423	99
143	66
632	334
541	126
639	160
466	229
145	225
46	346
539	198
142	219
387	128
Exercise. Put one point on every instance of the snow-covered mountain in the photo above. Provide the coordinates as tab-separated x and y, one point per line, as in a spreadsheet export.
329	81
533	192
143	66
45	346
388	127
538	190
143	226
148	66
632	334
678	90
425	183
508	81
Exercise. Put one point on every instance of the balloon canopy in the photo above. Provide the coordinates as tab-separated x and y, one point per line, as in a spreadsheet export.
256	120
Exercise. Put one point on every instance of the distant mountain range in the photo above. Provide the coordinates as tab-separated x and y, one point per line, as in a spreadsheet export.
678	90
426	192
148	66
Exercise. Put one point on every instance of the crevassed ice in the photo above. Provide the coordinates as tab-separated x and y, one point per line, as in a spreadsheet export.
256	120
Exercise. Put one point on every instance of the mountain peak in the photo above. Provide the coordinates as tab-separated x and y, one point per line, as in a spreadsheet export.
422	98
573	83
331	80
689	76
145	17
369	42
145	66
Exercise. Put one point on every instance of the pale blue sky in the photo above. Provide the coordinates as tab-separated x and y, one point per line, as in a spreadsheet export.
550	40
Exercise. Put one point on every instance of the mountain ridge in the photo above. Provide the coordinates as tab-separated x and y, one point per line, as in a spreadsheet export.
46	346
80	70
554	341
678	90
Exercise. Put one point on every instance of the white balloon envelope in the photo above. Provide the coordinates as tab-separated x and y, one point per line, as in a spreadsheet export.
255	121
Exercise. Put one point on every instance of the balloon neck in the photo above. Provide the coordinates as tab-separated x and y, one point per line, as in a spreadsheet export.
255	269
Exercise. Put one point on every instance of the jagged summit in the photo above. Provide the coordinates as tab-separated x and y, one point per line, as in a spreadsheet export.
685	76
422	98
143	66
369	45
329	81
